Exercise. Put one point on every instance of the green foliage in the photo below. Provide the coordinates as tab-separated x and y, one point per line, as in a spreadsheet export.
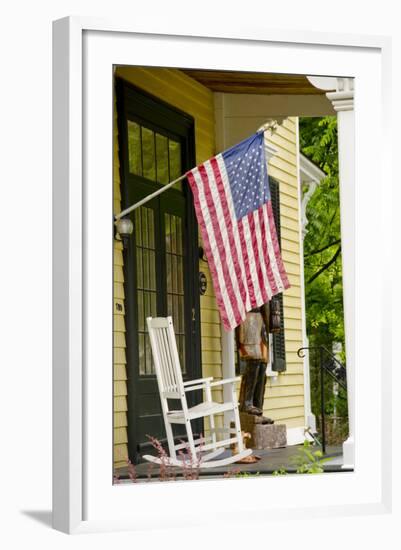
280	472
244	473
308	461
322	248
324	291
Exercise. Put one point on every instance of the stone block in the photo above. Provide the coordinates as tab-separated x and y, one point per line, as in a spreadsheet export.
263	436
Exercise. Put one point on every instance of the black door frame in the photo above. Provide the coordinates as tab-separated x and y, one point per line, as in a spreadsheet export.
154	113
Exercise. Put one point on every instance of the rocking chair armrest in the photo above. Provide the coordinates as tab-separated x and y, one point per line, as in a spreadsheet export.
226	381
198	381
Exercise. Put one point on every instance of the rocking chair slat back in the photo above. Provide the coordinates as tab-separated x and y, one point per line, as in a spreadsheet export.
171	386
167	365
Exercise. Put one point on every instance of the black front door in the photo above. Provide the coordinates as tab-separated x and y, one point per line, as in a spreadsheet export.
156	145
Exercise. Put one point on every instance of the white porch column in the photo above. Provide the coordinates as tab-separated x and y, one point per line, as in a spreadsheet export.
342	100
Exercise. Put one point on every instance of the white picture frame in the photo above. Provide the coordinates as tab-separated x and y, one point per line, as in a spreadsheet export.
84	498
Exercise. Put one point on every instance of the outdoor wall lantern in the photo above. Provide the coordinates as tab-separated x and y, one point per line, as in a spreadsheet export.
124	228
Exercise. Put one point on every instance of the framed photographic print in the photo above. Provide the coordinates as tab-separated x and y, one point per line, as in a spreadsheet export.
214	275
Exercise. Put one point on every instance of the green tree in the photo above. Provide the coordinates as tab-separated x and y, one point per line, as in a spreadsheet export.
322	248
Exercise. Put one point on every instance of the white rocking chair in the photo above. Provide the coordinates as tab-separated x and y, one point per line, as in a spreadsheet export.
172	386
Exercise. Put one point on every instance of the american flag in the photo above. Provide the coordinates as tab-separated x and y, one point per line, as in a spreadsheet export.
234	211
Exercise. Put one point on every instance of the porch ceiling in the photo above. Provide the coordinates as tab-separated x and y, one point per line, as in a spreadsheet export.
253	83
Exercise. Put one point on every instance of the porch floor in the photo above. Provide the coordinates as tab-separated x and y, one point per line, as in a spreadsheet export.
271	460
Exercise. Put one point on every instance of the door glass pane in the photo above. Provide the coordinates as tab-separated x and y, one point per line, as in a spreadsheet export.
175	162
139	268
146	283
168	232
162	159
175	281
134	148
148	154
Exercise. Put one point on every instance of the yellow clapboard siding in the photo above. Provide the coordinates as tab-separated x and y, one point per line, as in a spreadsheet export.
292	346
292	422
119	291
119	339
292	301
119	355
294	324
289	213
211	344
283	391
286	155
118	258
289	246
120	464
120	454
289	224
211	357
293	358
213	330
286	134
290	202
293	313
213	370
292	368
120	372
286	401
210	316
120	436
208	301
117	192
292	268
120	404
118	245
279	165
286	380
120	388
282	144
290	257
120	420
118	274
119	323
293	290
294	335
286	412
288	234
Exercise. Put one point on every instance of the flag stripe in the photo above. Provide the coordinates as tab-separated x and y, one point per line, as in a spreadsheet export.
235	258
234	211
201	214
270	248
257	260
267	262
266	290
277	253
230	290
238	255
248	260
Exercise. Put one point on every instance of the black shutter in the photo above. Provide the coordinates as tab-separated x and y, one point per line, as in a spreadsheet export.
279	364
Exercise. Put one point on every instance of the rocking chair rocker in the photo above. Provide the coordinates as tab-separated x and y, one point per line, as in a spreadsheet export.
172	386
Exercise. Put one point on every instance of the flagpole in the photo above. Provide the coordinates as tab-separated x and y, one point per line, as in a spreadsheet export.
268	126
148	198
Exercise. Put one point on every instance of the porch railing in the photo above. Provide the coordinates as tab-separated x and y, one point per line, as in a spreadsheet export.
330	366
